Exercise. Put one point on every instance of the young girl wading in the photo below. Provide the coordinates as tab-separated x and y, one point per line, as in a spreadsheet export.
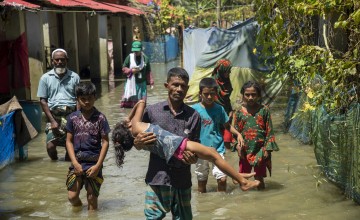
169	145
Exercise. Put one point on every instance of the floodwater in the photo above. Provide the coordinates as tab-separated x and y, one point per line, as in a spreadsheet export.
35	189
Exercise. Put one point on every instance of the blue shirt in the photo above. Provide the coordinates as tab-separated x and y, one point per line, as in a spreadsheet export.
212	120
58	92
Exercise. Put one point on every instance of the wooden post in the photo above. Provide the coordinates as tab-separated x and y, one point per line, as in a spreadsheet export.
218	17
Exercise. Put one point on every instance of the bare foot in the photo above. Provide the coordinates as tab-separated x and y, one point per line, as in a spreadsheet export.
249	185
245	175
261	186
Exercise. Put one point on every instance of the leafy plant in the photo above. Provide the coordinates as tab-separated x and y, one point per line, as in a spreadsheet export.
302	38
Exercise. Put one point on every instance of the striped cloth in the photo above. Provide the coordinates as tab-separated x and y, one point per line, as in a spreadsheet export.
94	183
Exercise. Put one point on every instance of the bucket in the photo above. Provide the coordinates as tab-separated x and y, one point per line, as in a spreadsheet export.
33	112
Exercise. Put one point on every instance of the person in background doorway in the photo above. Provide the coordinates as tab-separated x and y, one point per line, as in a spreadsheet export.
253	121
87	143
57	99
136	33
213	119
221	74
137	69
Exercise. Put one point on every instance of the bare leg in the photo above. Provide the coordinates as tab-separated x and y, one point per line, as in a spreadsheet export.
262	183
249	185
221	184
74	192
227	145
245	175
92	199
202	186
51	150
210	154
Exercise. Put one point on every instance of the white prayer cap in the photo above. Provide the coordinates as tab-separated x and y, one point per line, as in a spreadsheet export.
58	50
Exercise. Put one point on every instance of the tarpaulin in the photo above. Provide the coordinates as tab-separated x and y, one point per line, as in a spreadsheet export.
204	47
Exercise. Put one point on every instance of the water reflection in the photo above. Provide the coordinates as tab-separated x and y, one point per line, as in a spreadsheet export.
36	188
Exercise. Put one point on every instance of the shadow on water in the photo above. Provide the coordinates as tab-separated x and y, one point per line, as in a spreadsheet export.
36	188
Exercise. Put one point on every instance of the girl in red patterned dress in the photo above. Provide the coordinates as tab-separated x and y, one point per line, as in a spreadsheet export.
253	121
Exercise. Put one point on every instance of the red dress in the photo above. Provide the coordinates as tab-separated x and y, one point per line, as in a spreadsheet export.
258	134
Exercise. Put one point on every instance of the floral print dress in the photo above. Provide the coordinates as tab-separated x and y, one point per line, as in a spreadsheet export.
258	134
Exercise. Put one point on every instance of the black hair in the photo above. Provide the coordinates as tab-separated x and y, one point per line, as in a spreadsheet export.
179	72
85	88
250	84
123	141
207	82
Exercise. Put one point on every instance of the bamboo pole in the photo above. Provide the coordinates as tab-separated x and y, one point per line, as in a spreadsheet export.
218	18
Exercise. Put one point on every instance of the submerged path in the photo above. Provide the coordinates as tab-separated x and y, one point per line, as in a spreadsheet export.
35	189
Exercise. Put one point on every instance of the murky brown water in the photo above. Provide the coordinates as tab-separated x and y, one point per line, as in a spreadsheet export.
35	189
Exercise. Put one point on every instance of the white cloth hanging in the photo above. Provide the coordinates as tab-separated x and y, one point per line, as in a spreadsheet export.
134	65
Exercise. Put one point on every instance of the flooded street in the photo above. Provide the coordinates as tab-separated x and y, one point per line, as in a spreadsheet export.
36	189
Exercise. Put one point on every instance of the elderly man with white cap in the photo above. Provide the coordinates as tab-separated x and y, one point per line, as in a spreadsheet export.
58	99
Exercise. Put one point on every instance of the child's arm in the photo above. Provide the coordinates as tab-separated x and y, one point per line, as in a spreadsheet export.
210	154
94	170
239	137
135	117
137	111
70	149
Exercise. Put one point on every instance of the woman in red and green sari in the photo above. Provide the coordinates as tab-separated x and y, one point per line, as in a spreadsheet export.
254	123
221	74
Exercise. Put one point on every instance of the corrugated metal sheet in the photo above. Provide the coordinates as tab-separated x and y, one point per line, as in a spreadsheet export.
114	8
18	3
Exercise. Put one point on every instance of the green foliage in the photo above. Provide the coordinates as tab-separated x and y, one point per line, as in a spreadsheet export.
290	34
163	14
238	13
168	16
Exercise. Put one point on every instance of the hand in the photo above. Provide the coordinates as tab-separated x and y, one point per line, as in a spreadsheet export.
240	152
78	171
144	139
135	70
238	149
231	114
54	127
240	140
127	122
93	171
189	157
152	86
266	154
